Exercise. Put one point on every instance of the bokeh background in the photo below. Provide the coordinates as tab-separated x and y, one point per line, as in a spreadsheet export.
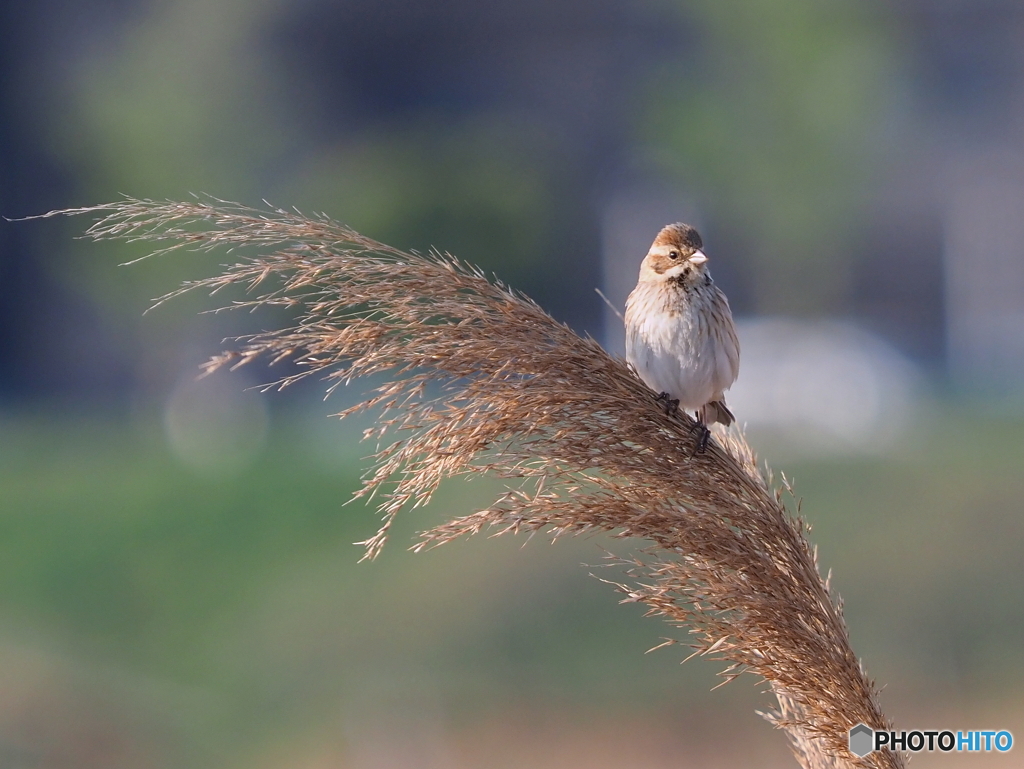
178	585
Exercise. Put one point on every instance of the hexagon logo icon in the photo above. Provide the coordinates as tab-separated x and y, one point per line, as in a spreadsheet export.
862	740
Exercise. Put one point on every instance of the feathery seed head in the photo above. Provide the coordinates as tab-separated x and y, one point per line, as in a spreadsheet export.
582	440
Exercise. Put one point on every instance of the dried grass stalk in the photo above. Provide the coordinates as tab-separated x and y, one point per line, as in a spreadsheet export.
526	398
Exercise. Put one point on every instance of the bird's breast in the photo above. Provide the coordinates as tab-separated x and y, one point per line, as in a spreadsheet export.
670	343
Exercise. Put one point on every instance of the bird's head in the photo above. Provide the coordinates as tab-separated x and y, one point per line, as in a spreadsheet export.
675	256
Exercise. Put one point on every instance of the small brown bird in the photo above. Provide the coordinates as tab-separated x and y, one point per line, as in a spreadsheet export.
680	337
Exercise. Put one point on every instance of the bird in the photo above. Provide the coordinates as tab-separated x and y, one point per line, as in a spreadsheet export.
680	337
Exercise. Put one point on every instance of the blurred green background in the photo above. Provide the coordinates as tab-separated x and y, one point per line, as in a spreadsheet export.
178	584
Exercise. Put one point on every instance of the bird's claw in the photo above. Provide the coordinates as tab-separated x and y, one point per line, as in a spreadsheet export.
702	441
671	405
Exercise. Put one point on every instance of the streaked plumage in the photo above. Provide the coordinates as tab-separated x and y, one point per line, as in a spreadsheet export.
680	336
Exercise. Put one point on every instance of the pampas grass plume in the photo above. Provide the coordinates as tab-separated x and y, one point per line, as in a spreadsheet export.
582	440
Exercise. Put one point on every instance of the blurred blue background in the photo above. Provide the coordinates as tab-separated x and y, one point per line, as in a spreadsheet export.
177	583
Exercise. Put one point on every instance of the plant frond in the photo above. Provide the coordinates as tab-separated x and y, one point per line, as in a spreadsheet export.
524	397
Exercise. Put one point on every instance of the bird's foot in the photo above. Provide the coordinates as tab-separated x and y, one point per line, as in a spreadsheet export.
702	441
705	433
671	405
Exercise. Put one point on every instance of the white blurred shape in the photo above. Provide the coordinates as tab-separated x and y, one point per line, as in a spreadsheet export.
214	425
823	386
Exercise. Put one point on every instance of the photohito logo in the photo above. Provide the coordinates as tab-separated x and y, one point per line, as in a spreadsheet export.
864	740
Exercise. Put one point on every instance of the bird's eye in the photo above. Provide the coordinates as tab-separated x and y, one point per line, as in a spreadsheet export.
673	254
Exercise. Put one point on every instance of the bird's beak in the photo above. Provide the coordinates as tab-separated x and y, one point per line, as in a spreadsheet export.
697	258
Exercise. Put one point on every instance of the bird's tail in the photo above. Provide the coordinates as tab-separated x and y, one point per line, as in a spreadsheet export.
717	411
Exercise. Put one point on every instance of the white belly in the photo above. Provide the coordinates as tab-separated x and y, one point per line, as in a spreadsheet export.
677	354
